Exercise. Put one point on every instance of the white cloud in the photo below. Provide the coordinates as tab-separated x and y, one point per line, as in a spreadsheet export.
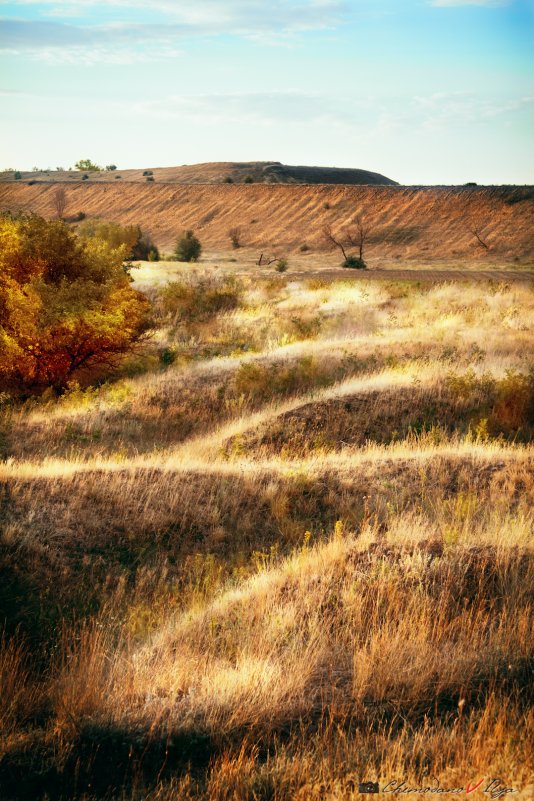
487	3
170	25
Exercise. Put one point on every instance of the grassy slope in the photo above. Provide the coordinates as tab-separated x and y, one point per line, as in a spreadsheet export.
216	173
429	224
298	557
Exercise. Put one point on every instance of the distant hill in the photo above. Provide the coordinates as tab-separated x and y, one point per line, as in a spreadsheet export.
270	172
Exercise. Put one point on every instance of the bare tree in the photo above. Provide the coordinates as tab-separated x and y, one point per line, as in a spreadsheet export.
235	237
335	240
363	229
477	212
356	237
265	262
475	226
60	201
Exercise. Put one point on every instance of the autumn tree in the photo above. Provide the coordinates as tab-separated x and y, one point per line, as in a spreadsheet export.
66	304
137	243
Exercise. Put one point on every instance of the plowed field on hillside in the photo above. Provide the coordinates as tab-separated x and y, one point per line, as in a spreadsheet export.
413	223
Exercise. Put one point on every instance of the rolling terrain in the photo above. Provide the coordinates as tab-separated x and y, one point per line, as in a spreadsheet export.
428	225
285	549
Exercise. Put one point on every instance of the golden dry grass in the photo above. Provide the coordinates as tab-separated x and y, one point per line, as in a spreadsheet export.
288	549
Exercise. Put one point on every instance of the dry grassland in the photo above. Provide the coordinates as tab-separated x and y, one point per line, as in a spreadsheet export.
288	548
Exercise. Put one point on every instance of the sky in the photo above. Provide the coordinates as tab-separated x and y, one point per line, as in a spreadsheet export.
423	91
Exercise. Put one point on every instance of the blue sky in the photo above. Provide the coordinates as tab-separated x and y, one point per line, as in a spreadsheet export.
424	91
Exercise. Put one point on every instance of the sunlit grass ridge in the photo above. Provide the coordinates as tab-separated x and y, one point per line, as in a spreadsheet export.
287	549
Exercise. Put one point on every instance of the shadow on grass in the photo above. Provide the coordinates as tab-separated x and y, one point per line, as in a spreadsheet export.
104	761
99	762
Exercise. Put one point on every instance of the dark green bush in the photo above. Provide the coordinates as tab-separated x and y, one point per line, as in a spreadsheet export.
249	179
188	247
281	266
167	356
354	263
17	176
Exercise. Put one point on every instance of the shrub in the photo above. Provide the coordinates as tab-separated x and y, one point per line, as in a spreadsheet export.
17	176
148	172
85	177
235	237
354	263
514	402
111	167
248	179
188	247
192	300
87	166
326	206
304	247
137	243
117	177
261	381
79	216
228	180
167	356
150	178
66	304
281	266
31	183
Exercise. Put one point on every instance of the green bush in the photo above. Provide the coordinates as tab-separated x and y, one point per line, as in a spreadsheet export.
17	176
197	300
167	356
138	244
354	263
304	247
87	166
261	381
228	180
281	266
188	247
249	179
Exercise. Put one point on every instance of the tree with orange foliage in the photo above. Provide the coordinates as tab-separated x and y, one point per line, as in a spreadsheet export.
66	304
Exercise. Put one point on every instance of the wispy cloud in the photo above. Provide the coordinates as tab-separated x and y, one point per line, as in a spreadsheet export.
368	114
204	15
117	35
487	3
